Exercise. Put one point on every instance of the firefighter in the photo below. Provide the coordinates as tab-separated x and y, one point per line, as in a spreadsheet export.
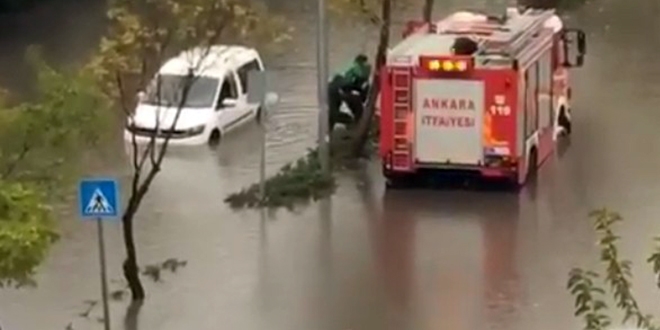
464	46
351	88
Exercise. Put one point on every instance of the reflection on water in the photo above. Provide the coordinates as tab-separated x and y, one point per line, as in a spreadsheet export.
464	252
393	240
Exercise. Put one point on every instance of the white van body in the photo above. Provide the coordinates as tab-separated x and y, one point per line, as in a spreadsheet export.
216	102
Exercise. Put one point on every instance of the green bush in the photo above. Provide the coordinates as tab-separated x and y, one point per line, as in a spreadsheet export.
41	144
297	182
303	181
26	233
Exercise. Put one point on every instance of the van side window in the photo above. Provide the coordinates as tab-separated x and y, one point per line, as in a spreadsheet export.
243	72
228	90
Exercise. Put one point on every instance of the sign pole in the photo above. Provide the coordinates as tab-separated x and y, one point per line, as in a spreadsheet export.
258	86
322	85
98	199
262	163
104	279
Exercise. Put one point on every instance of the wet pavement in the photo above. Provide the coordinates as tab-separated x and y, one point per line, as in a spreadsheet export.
367	259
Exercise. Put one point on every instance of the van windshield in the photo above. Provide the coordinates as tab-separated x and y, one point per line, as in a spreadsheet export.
201	92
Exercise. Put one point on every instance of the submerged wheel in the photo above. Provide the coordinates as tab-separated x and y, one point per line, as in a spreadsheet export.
564	122
215	137
393	183
398	182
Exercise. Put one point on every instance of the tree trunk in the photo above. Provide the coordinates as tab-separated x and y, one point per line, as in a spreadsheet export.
361	134
132	314
131	269
427	11
138	191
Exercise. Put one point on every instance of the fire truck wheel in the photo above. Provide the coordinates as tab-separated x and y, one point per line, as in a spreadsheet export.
564	122
397	182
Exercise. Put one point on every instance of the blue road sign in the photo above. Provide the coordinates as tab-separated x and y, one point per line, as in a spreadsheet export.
98	198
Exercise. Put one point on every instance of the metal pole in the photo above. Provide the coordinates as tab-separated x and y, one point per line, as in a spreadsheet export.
322	67
325	255
262	163
104	280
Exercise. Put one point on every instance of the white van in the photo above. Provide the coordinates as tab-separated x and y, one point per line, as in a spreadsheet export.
216	102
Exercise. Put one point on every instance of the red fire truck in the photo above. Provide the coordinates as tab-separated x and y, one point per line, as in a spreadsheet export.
495	111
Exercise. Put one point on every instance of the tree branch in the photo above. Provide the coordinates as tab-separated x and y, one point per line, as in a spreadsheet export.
190	79
138	162
361	133
371	16
122	96
427	11
12	166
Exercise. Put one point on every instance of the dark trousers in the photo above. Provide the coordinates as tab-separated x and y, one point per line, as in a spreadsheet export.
355	105
337	96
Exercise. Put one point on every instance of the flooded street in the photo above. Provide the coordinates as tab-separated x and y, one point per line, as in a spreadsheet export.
366	259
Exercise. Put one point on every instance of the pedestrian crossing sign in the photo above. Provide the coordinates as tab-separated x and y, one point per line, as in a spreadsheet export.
98	198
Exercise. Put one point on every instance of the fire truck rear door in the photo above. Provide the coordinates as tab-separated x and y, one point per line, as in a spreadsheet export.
449	121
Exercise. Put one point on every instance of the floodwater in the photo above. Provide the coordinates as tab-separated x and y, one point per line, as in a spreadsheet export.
366	259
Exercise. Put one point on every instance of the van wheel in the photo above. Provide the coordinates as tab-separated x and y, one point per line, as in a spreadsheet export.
564	122
215	137
532	165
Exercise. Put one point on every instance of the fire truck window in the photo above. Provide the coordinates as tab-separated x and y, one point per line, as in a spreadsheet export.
531	81
545	90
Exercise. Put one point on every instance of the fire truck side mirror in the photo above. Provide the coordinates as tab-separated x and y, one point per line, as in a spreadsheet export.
575	47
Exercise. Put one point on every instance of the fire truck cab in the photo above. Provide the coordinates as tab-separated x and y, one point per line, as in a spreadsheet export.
496	110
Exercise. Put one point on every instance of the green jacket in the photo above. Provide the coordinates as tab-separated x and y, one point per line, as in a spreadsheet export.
355	76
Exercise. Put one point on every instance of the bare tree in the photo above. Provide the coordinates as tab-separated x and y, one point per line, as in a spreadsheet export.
153	154
361	133
427	11
142	34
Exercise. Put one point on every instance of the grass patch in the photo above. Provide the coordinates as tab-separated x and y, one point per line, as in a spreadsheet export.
303	181
294	183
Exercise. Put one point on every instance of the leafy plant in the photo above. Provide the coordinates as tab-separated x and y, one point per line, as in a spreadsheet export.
41	144
589	296
296	182
26	233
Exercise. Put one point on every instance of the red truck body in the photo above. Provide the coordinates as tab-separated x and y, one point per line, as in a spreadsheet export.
497	112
